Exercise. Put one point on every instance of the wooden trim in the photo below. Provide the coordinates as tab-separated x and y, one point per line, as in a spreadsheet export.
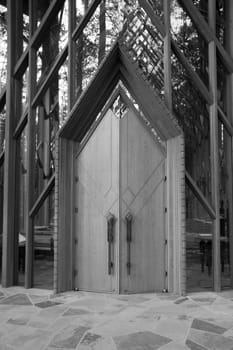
226	122
2	99
198	193
175	201
21	64
49	15
65	247
78	30
21	124
53	71
2	156
40	200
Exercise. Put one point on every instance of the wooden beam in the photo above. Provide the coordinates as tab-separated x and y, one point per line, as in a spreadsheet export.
49	15
161	27
2	99
107	69
21	64
207	31
71	55
199	195
10	214
198	20
42	197
193	75
167	55
21	124
52	73
225	120
79	29
214	150
224	56
229	142
31	140
152	106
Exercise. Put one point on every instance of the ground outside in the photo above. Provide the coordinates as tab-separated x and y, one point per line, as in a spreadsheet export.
37	319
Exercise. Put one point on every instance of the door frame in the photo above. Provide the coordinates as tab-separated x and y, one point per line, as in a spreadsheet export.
118	67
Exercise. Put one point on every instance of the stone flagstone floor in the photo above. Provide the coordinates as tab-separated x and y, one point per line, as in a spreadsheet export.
36	319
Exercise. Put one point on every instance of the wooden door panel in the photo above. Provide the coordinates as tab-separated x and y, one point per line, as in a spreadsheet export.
96	196
141	194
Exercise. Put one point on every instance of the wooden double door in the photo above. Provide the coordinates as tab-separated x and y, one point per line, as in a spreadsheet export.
120	209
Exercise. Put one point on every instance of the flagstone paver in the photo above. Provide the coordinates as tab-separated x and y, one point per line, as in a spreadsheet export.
39	320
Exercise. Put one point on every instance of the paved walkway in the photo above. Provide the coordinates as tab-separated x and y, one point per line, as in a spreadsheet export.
34	319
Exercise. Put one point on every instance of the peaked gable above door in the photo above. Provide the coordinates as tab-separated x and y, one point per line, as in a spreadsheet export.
119	66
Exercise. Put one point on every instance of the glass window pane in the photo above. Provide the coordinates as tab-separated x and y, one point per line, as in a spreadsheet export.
2	129
22	207
44	245
189	40
199	233
225	182
3	47
53	44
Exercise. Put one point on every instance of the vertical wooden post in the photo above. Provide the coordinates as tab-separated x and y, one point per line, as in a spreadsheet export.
71	55
167	55
214	148
229	110
10	234
29	225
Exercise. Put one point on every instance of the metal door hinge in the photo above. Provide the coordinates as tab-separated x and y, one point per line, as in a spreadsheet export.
76	210
75	272
165	178
165	273
76	241
165	241
165	209
76	178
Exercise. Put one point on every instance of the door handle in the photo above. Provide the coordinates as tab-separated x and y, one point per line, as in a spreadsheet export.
110	239
128	218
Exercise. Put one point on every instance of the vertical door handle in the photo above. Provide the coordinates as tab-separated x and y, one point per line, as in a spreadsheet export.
128	218
110	239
